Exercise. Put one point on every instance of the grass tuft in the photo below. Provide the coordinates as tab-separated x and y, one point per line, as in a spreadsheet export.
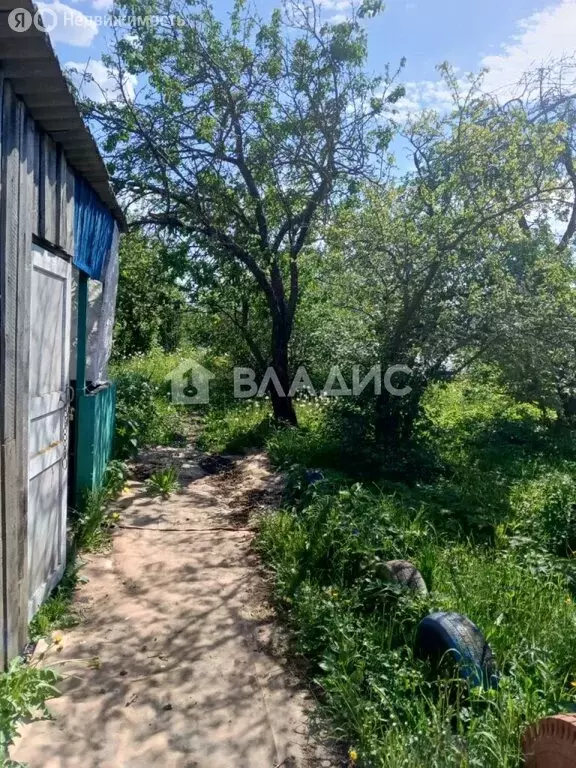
163	482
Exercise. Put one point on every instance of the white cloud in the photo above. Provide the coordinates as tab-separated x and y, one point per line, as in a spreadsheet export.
339	9
423	95
95	81
336	5
67	25
550	33
338	18
102	5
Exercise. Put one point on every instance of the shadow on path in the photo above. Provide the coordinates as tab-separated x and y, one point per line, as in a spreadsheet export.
172	665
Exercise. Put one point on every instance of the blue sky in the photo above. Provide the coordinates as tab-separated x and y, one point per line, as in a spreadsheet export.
508	36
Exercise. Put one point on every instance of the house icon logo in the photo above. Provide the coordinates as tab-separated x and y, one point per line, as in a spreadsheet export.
190	383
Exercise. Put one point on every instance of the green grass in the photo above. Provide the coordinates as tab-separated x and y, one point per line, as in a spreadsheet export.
248	424
24	689
488	518
358	637
145	414
57	612
245	425
154	366
483	502
163	482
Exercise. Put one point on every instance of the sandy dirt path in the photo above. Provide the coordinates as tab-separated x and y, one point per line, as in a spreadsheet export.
186	674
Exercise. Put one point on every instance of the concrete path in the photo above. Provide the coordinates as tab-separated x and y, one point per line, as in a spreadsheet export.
176	663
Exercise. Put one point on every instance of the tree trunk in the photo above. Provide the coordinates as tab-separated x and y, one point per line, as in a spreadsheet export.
395	417
282	404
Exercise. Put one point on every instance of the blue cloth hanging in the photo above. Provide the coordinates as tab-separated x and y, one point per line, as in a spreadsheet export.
93	230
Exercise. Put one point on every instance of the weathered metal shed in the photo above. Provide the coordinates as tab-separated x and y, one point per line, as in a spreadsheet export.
57	214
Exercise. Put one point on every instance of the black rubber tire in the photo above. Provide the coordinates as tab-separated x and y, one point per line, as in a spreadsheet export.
451	636
405	574
314	476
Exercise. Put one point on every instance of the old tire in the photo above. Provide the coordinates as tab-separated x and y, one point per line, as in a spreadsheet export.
314	476
451	637
551	743
405	574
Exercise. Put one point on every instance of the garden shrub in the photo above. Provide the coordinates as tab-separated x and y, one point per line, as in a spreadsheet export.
545	509
144	414
24	689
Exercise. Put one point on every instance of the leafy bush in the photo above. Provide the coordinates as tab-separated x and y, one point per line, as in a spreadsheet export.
545	509
115	477
154	366
330	434
144	414
24	689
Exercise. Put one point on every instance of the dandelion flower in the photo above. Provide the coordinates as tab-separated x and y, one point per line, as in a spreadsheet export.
573	683
57	637
353	755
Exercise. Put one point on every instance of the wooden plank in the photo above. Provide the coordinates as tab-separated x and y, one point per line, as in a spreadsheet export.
35	206
16	621
60	191
3	627
51	191
9	247
32	68
59	123
25	218
48	190
8	5
12	481
24	85
68	245
50	112
46	99
72	140
65	222
15	48
31	37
